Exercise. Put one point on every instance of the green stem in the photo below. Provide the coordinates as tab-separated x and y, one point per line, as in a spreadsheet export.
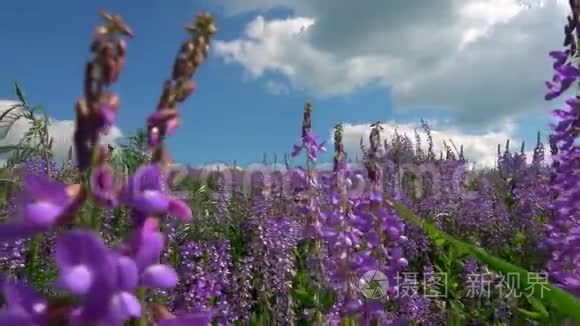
141	295
33	260
92	219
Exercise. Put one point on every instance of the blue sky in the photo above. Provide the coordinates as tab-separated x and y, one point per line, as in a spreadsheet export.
234	115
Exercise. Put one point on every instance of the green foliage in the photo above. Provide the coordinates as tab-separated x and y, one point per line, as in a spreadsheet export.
132	154
36	140
563	302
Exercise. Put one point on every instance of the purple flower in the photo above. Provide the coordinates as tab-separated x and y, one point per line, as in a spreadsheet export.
24	306
310	143
83	261
146	247
105	279
145	193
165	117
560	57
123	304
565	76
563	235
103	186
43	204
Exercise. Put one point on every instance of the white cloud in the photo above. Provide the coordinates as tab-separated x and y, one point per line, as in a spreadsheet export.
277	88
480	149
60	130
483	60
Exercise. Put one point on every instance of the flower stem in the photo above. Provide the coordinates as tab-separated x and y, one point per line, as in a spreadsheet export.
141	294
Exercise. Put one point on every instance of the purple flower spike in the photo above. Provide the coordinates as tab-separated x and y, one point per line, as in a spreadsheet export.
82	259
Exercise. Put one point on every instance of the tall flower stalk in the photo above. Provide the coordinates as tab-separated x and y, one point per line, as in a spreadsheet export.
564	227
109	284
191	55
382	228
311	207
342	237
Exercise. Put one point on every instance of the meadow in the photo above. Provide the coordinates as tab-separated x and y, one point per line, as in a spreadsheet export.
404	236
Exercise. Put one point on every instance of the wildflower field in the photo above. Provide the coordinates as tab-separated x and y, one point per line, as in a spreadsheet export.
120	235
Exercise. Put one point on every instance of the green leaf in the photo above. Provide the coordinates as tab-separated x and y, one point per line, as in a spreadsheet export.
8	148
303	296
326	301
439	242
20	94
559	299
8	118
531	314
539	307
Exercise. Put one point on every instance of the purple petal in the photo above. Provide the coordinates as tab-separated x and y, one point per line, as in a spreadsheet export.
77	279
180	209
108	115
83	260
123	306
148	247
20	297
296	150
152	202
128	274
171	125
40	188
148	178
103	186
14	231
42	213
159	276
11	318
81	247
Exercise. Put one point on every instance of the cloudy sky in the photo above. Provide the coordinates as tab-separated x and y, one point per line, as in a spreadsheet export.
474	69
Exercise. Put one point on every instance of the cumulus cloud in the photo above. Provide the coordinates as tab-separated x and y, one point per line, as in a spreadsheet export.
60	130
481	60
480	149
